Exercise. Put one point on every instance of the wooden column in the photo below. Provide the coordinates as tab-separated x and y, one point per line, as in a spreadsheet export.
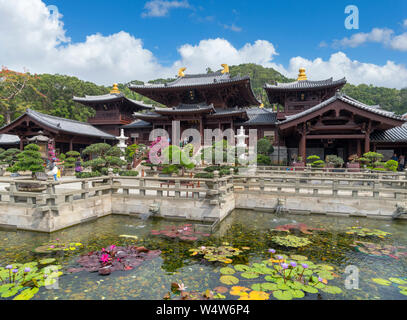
21	143
367	142
201	131
302	148
358	148
70	145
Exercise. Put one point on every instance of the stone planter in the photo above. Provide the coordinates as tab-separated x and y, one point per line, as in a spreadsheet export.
299	166
353	167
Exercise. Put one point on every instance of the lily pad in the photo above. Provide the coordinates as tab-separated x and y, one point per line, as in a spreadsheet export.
227	270
282	295
229	280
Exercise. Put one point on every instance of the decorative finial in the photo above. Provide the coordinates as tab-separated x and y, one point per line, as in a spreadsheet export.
225	68
181	72
261	106
302	76
115	89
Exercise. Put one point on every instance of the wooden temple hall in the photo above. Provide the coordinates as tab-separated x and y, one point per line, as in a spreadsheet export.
307	118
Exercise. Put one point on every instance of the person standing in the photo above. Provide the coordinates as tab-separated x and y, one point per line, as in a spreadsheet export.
394	157
402	162
78	165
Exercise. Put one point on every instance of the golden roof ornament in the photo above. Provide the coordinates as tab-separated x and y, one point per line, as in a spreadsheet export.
181	72
115	89
225	68
302	76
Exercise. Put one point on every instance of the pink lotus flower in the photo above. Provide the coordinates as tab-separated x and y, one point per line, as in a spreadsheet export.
104	258
112	247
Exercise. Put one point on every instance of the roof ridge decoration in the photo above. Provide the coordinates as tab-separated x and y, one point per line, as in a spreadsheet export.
115	89
181	72
302	76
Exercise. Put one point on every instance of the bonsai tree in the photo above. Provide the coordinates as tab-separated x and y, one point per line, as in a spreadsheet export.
391	165
175	153
131	153
336	161
106	157
353	158
263	160
316	161
29	160
9	156
70	161
372	159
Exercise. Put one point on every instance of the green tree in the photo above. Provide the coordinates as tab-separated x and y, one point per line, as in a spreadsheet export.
29	160
9	156
105	157
71	159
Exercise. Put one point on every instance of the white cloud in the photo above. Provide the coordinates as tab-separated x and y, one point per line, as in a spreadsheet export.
340	65
377	35
160	8
213	52
232	27
405	23
400	42
31	37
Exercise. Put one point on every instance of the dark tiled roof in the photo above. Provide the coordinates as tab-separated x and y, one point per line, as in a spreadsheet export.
305	84
346	99
137	124
259	116
8	139
397	134
110	98
191	108
195	80
67	125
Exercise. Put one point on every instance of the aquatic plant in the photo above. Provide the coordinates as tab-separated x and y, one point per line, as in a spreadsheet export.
400	283
22	281
291	241
179	292
114	258
58	246
282	277
380	250
302	227
184	232
366	232
221	254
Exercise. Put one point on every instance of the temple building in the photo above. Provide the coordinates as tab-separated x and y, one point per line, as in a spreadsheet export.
66	134
112	110
315	118
199	101
307	117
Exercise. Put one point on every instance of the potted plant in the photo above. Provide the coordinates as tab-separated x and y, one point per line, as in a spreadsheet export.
69	163
353	165
315	161
333	161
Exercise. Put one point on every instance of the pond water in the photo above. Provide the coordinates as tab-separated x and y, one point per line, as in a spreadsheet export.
153	278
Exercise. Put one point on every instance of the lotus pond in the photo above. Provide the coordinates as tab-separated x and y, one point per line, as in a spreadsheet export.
251	255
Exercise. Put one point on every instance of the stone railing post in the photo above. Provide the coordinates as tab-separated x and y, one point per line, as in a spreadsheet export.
13	189
85	189
142	184
177	187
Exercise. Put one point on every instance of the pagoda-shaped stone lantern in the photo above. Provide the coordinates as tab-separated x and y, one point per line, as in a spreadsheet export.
122	143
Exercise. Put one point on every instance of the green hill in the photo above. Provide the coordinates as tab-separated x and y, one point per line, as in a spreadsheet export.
59	90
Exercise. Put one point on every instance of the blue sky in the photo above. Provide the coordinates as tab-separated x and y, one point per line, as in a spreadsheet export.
168	34
295	27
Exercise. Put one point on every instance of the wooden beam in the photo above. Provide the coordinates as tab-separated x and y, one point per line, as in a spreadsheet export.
336	136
